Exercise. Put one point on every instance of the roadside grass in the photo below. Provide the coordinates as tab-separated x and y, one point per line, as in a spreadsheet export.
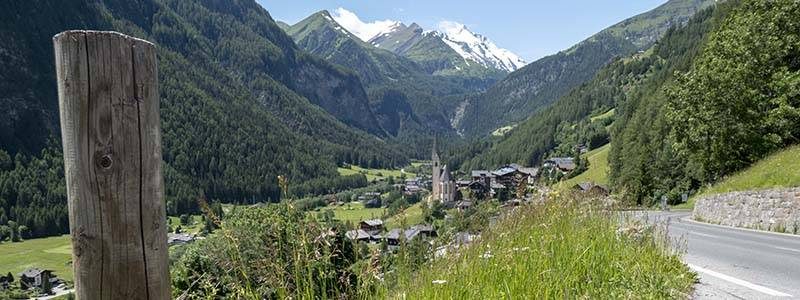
354	212
559	250
779	170
52	253
597	171
374	174
410	216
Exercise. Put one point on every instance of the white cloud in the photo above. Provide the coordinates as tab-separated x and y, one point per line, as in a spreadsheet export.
362	30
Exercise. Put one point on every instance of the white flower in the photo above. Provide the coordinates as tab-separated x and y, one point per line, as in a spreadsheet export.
439	281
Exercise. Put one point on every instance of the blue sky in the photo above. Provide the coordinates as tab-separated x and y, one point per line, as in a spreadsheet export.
531	29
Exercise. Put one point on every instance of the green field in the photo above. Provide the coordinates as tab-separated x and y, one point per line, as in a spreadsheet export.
354	212
597	172
53	253
194	227
411	216
375	174
776	171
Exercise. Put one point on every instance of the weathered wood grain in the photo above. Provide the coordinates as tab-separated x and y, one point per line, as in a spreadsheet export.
108	97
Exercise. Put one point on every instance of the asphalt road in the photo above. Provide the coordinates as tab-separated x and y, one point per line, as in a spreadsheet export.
735	263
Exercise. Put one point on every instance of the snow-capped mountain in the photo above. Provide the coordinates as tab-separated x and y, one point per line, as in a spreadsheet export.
478	48
395	36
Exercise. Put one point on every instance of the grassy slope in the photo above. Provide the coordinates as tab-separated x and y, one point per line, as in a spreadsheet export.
776	171
355	212
410	216
195	226
375	174
553	252
598	169
53	253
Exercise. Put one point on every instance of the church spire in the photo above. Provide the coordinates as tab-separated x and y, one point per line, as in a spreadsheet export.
434	153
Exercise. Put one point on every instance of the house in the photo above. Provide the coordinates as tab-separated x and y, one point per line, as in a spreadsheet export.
393	237
563	164
36	278
464	205
426	230
372	226
479	189
510	175
179	239
532	173
358	235
591	188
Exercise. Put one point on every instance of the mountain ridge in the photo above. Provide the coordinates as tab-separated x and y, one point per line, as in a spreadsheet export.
538	84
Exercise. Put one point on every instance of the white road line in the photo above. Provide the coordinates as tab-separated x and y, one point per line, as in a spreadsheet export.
787	249
703	234
738	281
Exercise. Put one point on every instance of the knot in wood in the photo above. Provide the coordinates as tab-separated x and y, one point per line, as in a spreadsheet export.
105	161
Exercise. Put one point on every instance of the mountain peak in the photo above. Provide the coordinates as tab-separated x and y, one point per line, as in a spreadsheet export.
477	48
363	30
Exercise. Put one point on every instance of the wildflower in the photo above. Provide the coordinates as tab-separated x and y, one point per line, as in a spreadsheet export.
439	281
488	254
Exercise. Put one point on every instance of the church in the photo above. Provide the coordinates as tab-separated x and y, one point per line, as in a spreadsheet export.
443	186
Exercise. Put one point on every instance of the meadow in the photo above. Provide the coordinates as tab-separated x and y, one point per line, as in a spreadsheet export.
375	174
597	171
52	253
354	212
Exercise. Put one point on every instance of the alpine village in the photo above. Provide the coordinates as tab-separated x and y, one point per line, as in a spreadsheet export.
223	149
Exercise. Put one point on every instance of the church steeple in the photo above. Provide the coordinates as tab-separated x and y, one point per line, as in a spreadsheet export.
434	153
436	172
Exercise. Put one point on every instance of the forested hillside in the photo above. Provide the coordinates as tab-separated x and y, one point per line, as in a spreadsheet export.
540	83
410	103
738	102
569	121
238	105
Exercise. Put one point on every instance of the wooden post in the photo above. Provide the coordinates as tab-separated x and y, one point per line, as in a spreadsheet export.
108	99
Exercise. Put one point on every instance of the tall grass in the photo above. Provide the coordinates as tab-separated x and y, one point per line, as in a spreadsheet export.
562	250
276	252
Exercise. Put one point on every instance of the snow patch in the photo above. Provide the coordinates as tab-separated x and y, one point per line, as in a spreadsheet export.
363	30
477	48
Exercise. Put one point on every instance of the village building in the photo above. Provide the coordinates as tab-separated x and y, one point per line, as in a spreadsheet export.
358	235
393	237
373	226
443	186
591	188
479	189
426	230
563	164
179	239
464	205
36	278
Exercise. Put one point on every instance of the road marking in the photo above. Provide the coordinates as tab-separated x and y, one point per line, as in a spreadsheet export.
738	281
703	234
787	249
